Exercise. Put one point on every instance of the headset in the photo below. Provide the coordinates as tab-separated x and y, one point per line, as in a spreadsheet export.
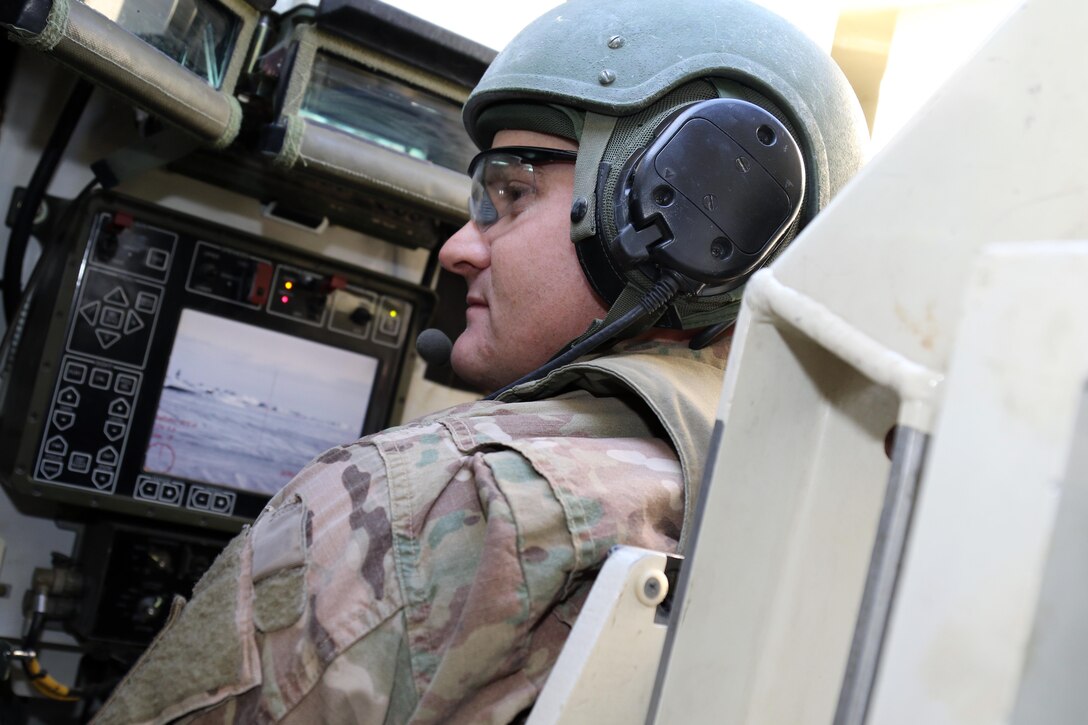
708	200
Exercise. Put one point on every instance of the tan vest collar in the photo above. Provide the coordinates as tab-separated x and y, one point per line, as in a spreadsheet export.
679	385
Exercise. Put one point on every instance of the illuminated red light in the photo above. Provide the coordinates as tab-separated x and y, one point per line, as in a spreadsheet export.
284	299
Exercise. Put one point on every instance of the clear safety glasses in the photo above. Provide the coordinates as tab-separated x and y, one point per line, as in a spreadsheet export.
504	180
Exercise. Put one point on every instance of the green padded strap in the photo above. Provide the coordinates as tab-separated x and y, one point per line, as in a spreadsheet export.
55	25
292	142
596	132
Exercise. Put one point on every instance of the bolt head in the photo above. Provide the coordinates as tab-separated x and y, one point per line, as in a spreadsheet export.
663	195
578	209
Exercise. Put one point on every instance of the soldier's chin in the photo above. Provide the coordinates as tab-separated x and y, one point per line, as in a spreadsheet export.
466	362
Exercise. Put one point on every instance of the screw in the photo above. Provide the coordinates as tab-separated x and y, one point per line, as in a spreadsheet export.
663	196
651	588
606	77
718	249
616	41
578	209
743	164
710	201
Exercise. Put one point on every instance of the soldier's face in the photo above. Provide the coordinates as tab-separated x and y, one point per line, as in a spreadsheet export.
527	296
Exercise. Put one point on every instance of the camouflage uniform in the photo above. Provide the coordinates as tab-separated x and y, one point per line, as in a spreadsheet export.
430	573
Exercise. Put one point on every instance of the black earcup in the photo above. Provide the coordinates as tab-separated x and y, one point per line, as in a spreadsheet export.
711	197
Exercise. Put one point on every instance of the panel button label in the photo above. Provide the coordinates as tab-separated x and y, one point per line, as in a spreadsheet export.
75	372
80	462
108	456
57	445
117	296
50	469
89	312
102	478
69	396
114	430
101	378
63	419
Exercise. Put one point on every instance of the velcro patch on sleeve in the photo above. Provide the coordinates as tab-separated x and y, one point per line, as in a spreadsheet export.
279	540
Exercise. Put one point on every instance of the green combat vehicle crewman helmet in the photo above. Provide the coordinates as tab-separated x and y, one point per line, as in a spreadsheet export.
616	77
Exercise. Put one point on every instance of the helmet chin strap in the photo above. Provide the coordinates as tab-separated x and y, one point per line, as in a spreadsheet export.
597	131
646	311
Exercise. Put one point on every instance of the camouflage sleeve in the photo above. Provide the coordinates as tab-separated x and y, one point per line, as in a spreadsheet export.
429	574
312	576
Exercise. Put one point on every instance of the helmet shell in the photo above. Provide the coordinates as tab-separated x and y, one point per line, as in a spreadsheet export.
617	58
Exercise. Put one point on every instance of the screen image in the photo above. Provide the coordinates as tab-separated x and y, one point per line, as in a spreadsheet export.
246	408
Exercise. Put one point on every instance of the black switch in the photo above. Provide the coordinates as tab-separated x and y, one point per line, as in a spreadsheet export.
361	316
107	246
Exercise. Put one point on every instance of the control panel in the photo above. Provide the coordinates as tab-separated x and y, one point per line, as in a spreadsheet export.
190	370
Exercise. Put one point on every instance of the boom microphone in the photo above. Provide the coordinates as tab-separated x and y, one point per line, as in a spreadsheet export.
434	346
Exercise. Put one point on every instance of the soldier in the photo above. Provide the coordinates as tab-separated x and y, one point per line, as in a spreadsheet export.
641	161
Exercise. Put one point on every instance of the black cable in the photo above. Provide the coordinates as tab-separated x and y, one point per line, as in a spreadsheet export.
12	334
709	335
34	631
663	292
35	192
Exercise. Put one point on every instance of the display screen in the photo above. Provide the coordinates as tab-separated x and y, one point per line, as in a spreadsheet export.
197	34
246	408
387	113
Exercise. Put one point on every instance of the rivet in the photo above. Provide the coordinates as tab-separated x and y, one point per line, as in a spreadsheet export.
606	77
616	41
578	209
653	587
